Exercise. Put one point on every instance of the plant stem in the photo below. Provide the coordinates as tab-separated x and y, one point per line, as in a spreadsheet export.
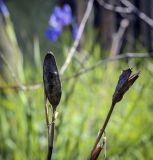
46	112
102	129
51	135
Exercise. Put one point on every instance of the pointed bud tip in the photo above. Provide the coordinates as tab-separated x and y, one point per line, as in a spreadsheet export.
125	81
49	54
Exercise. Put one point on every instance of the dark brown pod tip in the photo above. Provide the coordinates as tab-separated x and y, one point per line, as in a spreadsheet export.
125	81
51	79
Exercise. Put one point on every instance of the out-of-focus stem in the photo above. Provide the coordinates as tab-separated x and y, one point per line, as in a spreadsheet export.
101	132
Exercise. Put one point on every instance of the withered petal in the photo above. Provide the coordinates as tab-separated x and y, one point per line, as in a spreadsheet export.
133	78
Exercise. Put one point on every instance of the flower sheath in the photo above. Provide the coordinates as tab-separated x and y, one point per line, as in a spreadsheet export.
125	81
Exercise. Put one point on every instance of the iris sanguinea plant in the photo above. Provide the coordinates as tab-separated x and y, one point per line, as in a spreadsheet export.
126	80
60	17
52	92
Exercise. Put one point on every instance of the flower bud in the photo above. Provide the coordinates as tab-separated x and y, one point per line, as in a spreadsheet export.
52	84
125	81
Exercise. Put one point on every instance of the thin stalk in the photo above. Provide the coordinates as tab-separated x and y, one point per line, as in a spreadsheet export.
46	112
51	136
102	130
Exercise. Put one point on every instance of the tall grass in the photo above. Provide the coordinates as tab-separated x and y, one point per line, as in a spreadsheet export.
83	108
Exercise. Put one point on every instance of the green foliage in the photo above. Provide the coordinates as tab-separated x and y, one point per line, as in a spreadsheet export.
84	105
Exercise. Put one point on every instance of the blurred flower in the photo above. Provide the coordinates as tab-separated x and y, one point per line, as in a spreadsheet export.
66	18
75	29
57	12
55	18
60	17
3	9
54	22
53	33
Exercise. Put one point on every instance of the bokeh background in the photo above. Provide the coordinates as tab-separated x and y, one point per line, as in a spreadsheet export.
117	35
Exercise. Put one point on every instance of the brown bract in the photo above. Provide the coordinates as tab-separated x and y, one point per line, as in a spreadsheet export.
96	152
52	84
125	81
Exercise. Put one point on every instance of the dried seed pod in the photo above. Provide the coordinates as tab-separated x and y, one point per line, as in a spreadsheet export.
125	81
52	84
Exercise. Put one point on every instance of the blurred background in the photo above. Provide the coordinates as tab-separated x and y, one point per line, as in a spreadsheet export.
118	34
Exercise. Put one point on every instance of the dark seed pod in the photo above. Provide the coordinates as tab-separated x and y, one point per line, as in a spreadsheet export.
125	81
52	84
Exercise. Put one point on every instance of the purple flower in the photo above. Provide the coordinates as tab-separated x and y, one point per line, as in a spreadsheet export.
55	26
54	22
53	33
57	12
3	9
66	18
60	17
75	29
